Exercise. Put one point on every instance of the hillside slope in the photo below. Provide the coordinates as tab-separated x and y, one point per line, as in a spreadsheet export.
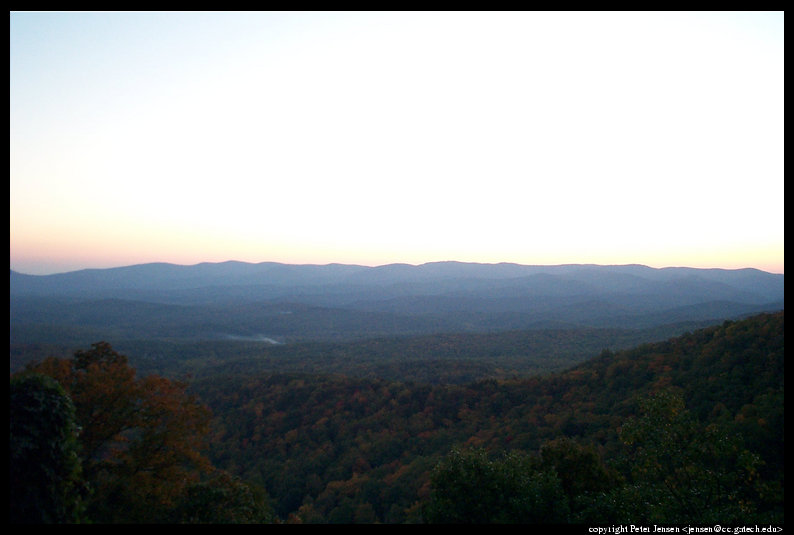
333	447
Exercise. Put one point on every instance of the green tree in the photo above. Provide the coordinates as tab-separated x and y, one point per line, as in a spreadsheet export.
469	487
46	484
224	499
581	471
688	471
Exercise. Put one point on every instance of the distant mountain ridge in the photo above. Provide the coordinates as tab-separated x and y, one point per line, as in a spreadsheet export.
750	285
336	301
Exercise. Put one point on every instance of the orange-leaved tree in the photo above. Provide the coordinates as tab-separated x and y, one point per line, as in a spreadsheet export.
141	438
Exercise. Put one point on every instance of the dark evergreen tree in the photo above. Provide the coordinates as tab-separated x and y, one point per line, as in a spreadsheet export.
46	484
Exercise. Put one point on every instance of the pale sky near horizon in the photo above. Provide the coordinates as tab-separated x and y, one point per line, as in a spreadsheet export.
379	137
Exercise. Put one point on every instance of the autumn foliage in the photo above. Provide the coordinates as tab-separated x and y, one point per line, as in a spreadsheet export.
685	430
141	437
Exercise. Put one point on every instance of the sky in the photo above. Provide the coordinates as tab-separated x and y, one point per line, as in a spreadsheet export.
372	138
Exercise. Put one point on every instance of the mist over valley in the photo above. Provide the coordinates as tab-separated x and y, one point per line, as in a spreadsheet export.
265	306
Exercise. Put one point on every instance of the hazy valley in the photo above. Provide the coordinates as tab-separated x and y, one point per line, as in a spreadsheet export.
289	303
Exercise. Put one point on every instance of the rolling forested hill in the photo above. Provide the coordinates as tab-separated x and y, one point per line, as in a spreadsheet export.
333	448
295	302
177	308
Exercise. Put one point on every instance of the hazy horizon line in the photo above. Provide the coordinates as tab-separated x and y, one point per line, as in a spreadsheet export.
376	265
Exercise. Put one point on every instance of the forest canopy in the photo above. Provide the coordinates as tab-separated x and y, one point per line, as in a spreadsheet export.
678	431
